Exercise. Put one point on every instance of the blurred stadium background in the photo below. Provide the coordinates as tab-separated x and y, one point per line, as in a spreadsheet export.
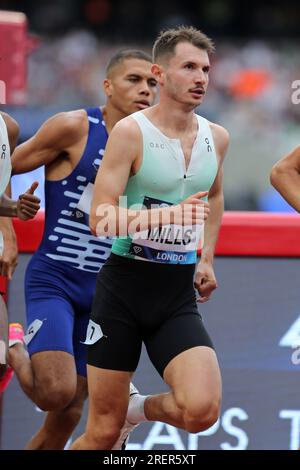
256	63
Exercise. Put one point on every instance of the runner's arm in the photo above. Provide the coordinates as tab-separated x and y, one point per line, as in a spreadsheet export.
215	197
205	279
107	218
285	177
53	139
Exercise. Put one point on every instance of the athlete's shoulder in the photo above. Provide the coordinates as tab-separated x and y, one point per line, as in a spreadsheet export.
70	121
9	121
12	129
63	130
11	124
219	131
127	127
289	161
220	136
295	154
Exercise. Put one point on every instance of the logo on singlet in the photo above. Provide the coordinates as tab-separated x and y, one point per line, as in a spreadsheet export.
79	214
209	148
156	145
3	151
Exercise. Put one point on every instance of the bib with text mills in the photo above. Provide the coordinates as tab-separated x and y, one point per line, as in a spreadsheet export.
163	180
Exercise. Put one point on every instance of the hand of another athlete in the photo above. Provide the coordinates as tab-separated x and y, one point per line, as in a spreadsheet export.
193	210
205	281
28	204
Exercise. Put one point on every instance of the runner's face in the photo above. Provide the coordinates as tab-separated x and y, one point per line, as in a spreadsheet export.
132	86
186	75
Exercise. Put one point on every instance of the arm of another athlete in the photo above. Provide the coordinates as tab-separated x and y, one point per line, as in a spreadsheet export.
205	280
55	137
285	177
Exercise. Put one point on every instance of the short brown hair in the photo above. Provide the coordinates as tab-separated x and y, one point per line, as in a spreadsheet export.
166	42
125	54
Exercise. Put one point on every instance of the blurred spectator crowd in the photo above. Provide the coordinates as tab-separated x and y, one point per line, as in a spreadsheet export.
250	93
256	63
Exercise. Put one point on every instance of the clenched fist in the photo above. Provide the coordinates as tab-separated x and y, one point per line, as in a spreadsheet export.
28	204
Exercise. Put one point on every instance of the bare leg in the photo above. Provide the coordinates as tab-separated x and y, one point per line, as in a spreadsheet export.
194	401
59	425
108	397
49	378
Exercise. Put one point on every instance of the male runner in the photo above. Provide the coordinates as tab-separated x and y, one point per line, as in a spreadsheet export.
25	208
61	276
285	177
168	156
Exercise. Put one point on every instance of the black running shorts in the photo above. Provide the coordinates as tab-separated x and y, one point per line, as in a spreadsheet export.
139	301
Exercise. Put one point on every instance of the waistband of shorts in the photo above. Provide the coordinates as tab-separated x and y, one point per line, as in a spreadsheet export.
148	266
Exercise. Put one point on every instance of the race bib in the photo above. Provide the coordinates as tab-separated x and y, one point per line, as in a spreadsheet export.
93	333
169	243
85	200
32	330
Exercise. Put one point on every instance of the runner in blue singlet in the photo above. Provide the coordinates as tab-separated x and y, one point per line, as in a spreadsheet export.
61	276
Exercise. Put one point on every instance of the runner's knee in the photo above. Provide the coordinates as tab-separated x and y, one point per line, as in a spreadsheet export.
104	434
53	395
200	414
199	411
